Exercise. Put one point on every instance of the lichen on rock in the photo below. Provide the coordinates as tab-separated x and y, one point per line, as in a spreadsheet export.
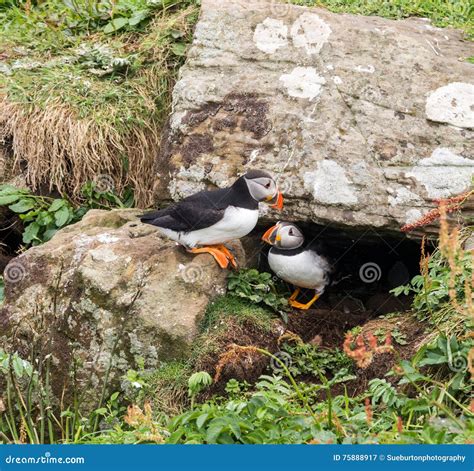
347	112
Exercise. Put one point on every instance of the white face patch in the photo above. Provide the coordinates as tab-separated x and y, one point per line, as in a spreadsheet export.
303	82
444	174
329	184
270	35
452	104
310	32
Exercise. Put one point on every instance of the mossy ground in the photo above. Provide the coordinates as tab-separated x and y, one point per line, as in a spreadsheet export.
228	319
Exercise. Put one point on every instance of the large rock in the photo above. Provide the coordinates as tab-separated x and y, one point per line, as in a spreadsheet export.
107	293
365	120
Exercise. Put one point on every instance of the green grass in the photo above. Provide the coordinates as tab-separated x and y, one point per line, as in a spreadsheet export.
92	90
75	67
443	13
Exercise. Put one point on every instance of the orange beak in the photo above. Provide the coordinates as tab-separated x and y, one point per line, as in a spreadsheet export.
271	233
278	201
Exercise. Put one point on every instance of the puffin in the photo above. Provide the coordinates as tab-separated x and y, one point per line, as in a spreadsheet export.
297	262
205	221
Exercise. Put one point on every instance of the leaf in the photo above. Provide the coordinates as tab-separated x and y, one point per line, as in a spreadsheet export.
201	420
17	364
114	396
56	204
213	433
48	234
61	216
179	49
31	233
115	25
23	205
138	17
8	199
44	218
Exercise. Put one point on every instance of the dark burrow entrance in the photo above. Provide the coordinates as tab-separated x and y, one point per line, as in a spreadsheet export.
10	237
368	264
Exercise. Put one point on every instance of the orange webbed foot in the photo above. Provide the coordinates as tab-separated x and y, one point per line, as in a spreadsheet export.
220	256
293	303
228	254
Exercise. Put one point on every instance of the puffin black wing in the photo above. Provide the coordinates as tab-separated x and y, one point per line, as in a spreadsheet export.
204	209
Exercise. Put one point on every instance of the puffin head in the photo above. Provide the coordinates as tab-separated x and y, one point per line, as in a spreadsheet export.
262	187
284	235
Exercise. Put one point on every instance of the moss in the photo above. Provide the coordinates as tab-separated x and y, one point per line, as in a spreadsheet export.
171	348
230	320
167	387
240	310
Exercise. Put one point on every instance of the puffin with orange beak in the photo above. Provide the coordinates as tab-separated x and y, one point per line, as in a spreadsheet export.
205	221
296	262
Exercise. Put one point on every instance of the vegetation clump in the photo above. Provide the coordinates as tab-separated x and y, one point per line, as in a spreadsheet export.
95	78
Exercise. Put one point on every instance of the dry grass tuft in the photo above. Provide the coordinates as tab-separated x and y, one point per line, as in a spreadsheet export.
235	353
64	152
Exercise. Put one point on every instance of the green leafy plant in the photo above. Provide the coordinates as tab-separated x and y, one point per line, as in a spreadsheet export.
198	382
256	287
313	360
450	358
43	216
431	289
398	336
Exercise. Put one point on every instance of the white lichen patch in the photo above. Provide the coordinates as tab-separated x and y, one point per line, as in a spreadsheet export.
187	182
310	32
366	69
329	184
412	215
103	254
337	80
303	82
271	35
403	196
107	238
444	174
452	104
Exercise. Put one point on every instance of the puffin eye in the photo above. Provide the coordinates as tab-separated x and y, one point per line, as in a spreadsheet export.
291	232
267	185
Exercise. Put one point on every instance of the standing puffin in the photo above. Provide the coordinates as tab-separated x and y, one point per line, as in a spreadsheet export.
296	262
205	221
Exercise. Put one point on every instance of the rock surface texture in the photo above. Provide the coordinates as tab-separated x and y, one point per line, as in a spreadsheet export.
364	120
105	290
